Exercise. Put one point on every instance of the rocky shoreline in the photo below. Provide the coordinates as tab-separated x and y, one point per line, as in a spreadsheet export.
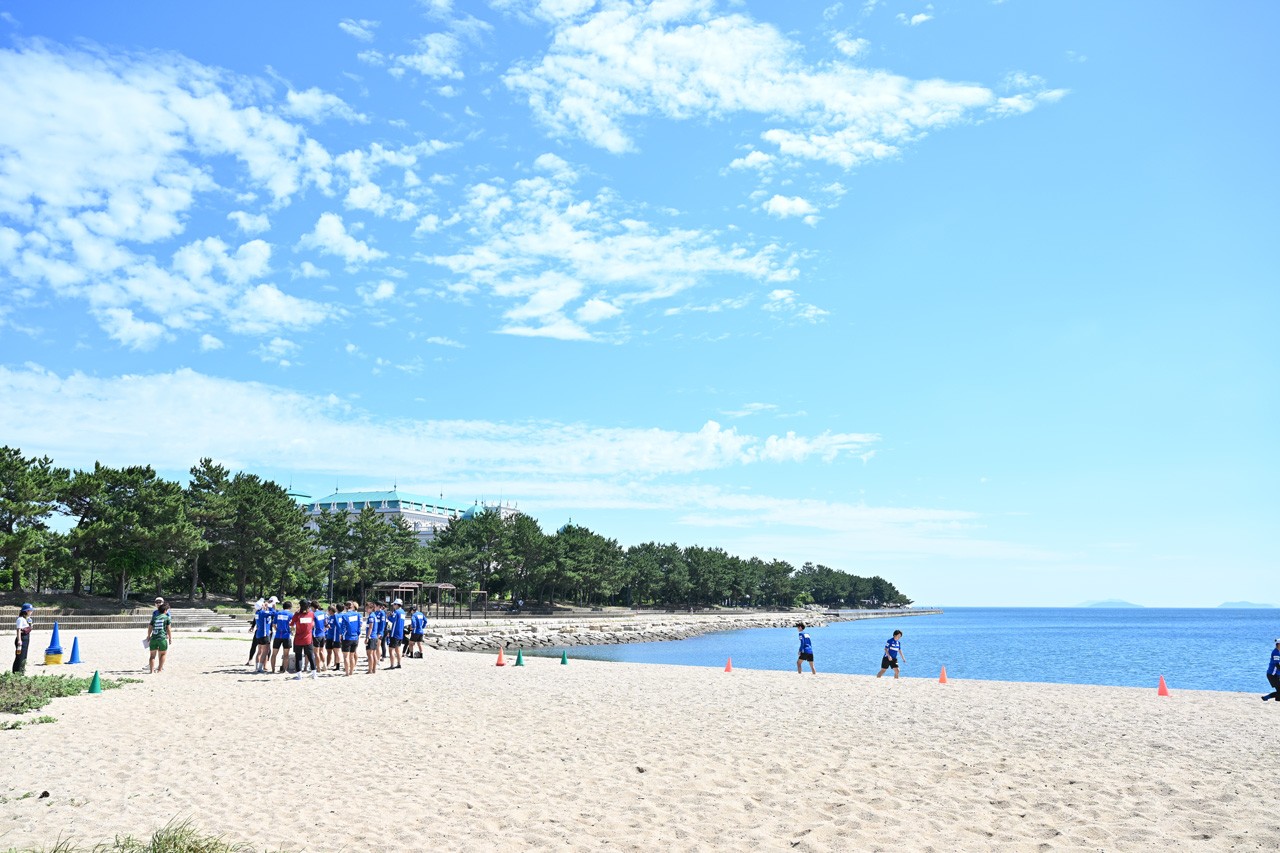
531	634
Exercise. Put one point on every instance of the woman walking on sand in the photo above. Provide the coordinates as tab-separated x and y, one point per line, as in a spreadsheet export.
159	635
22	639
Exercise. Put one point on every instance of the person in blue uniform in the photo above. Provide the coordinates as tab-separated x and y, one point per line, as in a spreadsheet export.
1273	674
332	642
281	620
350	637
417	627
374	638
395	632
806	650
262	621
892	655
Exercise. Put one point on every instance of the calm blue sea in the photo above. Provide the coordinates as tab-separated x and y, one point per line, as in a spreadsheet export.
1212	649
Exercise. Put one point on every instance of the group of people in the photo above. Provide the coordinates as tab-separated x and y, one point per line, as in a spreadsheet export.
331	638
889	660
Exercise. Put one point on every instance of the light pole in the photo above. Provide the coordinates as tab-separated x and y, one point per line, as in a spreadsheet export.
332	559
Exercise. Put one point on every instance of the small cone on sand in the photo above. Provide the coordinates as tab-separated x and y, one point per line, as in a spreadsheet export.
501	660
728	666
942	679
1163	689
95	686
519	657
564	658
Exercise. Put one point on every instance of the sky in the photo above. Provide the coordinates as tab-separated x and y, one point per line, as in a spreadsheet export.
977	296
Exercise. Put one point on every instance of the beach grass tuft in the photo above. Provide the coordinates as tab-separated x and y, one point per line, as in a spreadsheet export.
175	837
22	693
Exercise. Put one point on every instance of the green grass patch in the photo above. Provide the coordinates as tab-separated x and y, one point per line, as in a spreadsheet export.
22	693
173	838
213	629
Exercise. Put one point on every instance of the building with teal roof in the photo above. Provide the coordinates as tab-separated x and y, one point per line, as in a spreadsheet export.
424	515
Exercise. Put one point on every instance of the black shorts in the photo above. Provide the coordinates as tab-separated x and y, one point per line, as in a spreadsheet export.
887	662
415	638
807	656
1274	679
395	643
371	645
282	643
349	645
331	644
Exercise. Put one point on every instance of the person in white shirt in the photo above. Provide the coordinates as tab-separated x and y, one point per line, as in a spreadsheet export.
22	639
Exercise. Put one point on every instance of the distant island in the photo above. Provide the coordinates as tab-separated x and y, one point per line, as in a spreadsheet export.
1245	605
1110	602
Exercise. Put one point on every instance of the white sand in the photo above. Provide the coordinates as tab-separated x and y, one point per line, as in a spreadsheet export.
453	753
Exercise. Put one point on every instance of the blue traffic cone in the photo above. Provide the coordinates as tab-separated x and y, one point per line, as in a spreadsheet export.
53	654
75	651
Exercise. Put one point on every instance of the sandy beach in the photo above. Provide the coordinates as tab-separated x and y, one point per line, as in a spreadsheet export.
453	753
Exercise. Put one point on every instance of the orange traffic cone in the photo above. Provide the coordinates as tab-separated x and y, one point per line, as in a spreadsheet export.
1163	689
501	660
728	665
942	679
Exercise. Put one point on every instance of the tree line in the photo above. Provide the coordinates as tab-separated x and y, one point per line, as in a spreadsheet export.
241	535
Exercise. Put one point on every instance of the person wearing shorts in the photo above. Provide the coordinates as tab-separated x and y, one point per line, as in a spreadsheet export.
22	639
332	644
892	654
806	650
282	619
321	623
262	622
395	628
304	626
159	636
374	639
350	637
1273	674
417	626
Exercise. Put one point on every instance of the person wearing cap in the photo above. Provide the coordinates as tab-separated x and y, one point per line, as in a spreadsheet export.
22	639
159	636
806	650
395	628
1273	674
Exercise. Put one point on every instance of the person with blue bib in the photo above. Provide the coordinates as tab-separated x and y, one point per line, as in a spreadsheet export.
262	621
322	623
395	628
1273	674
282	620
892	655
332	642
373	638
417	627
351	631
380	613
806	650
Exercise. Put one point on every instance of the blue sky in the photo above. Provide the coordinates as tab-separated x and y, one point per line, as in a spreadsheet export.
977	296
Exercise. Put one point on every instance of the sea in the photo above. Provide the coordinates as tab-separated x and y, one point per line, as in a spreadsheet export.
1194	649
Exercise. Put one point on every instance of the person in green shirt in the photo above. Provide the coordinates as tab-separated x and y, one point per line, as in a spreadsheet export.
159	635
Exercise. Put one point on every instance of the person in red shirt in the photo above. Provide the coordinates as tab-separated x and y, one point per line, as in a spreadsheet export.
303	623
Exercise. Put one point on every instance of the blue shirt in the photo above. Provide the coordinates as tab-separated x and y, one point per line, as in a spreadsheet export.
397	624
320	627
331	627
376	626
806	644
418	622
282	619
892	648
351	625
262	623
1274	669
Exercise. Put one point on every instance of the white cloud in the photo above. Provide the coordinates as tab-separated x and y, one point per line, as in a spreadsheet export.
618	61
784	303
361	29
278	351
784	207
306	269
208	343
265	308
437	55
914	20
445	342
750	409
93	201
372	294
753	160
849	45
330	237
250	223
315	105
554	254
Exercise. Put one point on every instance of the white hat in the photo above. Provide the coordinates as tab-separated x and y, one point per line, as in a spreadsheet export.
398	601
272	600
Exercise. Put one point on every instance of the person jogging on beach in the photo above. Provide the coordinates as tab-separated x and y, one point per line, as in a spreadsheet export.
806	650
1273	674
282	619
159	636
303	625
892	654
22	639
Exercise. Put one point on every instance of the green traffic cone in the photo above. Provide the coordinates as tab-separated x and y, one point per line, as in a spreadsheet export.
519	657
564	658
95	686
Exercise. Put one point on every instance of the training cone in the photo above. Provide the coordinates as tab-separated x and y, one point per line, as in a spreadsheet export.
75	651
53	654
519	657
564	658
95	686
942	679
728	665
501	660
1163	689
